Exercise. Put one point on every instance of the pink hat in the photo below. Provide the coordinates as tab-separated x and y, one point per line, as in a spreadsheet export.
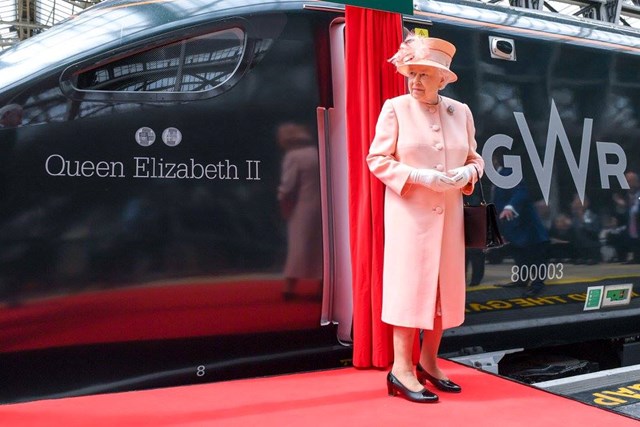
419	51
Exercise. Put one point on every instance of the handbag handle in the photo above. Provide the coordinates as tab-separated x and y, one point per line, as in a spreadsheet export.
482	202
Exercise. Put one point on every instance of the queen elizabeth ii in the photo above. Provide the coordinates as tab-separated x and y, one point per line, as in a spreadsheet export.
424	151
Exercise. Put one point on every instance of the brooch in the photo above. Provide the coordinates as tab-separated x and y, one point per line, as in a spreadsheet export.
450	110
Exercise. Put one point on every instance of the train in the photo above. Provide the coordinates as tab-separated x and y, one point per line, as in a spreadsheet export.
143	211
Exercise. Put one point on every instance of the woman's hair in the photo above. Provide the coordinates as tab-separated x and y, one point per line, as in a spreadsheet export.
293	134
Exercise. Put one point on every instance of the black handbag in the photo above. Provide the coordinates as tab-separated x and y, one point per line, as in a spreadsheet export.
481	225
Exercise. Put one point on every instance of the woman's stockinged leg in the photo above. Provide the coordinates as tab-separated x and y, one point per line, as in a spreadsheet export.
429	349
428	369
403	339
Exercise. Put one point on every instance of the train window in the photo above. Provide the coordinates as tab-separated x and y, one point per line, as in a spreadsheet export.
193	68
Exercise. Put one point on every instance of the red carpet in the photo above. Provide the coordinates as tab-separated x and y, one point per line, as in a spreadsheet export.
343	397
159	311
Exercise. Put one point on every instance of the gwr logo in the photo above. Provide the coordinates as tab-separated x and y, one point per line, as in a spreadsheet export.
543	168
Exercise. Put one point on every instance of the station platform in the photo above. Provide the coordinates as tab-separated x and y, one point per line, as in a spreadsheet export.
340	397
615	389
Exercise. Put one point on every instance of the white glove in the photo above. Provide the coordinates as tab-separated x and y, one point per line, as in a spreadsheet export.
434	180
462	176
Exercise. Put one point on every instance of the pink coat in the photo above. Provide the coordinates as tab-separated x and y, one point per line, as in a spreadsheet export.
424	235
300	183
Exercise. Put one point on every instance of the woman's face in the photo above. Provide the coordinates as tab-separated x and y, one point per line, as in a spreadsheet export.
424	84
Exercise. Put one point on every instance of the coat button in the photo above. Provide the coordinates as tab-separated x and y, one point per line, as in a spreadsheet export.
439	146
435	127
438	210
439	167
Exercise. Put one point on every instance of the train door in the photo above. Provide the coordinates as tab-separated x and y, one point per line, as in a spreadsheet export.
338	301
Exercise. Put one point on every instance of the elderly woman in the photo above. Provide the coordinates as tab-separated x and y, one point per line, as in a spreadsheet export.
299	197
424	151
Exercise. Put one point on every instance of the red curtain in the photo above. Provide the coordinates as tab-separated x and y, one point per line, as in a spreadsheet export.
372	37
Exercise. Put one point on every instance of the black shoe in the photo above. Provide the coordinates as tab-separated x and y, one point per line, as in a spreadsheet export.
444	385
288	295
395	387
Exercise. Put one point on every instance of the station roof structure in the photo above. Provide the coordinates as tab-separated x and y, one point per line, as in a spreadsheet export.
21	19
